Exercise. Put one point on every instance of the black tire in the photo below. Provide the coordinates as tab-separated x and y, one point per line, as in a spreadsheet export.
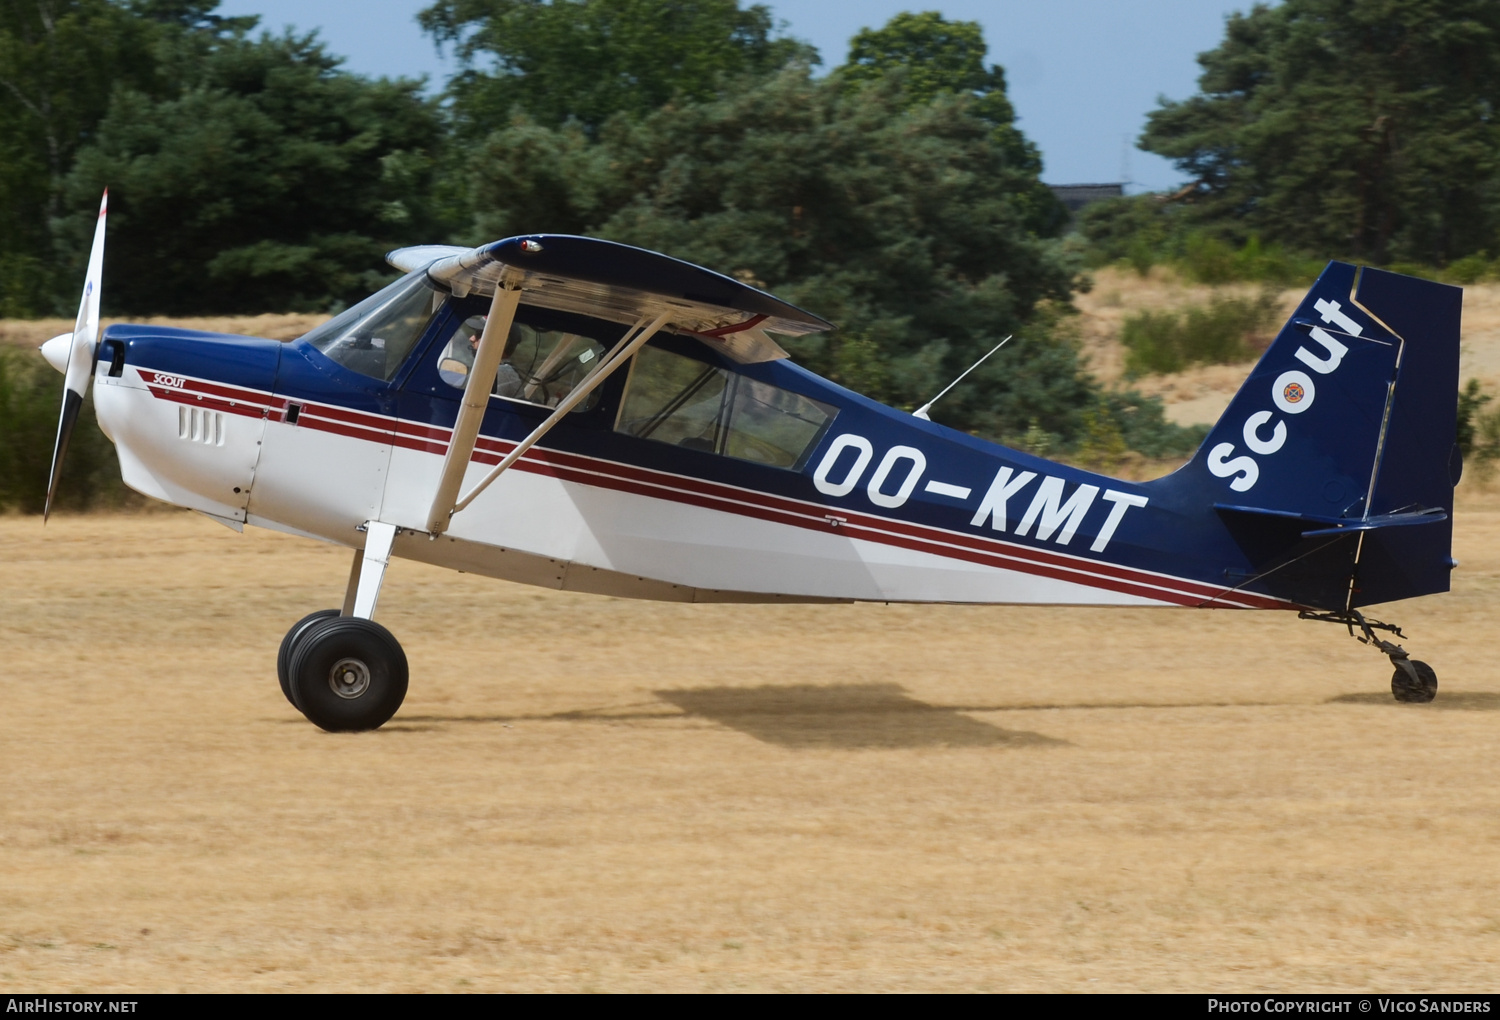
284	655
1421	692
348	674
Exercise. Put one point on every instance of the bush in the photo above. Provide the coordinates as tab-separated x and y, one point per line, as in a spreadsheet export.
1144	426
1462	272
1469	270
1478	430
1225	331
1103	441
1146	230
1210	260
1110	430
30	400
24	286
1140	231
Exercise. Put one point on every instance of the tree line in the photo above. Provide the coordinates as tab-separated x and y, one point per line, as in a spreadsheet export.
892	193
249	172
1364	130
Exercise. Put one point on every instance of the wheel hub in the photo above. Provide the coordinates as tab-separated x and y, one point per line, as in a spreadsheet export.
349	678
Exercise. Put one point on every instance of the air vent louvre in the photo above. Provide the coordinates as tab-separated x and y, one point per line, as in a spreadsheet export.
197	425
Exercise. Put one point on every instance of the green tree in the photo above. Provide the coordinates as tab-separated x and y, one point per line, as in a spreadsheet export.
246	174
901	203
59	59
927	56
934	55
268	180
899	221
1359	128
588	60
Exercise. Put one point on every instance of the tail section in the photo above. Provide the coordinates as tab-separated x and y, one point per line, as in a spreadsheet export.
1334	465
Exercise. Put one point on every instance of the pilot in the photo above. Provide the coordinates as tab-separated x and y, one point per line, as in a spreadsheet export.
508	382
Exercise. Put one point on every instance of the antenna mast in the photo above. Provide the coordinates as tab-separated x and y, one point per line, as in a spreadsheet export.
921	412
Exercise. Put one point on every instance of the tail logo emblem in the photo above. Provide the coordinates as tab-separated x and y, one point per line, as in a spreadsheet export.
1293	392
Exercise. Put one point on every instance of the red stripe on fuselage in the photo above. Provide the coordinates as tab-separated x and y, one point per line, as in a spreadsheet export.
729	499
236	394
914	537
679	487
177	396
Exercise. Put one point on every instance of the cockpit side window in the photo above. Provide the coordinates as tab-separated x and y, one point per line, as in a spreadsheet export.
539	366
375	336
674	399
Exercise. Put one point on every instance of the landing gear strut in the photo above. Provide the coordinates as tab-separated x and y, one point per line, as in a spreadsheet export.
1413	680
340	668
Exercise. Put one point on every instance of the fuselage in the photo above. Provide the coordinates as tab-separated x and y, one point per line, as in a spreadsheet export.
874	504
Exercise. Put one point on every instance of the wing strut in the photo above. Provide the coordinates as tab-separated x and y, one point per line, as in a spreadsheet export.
476	399
631	342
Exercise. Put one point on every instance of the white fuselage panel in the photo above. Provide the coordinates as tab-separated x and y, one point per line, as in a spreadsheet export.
179	450
570	521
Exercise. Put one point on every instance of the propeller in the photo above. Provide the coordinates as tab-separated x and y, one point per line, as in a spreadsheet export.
82	352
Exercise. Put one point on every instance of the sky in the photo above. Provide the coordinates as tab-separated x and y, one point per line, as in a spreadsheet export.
1082	74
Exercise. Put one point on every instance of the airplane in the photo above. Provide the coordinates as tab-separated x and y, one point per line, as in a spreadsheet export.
584	415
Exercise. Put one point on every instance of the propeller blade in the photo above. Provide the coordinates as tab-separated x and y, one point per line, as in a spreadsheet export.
81	356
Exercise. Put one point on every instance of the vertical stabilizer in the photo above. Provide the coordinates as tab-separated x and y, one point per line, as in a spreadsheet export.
1342	441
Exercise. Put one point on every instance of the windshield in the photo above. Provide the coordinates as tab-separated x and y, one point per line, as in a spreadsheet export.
375	336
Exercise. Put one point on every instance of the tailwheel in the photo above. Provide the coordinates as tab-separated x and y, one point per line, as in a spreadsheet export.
347	674
289	645
1414	681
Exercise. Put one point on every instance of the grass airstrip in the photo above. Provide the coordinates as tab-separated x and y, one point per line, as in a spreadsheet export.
592	794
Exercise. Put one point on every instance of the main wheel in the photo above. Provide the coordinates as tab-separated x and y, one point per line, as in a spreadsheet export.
348	674
288	643
1423	690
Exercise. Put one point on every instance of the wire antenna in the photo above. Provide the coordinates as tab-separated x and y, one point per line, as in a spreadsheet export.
921	412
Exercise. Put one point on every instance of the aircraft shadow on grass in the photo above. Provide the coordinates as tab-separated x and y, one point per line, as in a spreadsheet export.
1472	701
800	716
845	716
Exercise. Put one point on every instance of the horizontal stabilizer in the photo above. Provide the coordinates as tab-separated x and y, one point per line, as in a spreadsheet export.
1381	521
1341	525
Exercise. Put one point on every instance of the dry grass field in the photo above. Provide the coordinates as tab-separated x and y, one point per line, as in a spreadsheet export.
592	794
32	332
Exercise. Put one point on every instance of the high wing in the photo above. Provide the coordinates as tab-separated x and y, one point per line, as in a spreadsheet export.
645	290
622	284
